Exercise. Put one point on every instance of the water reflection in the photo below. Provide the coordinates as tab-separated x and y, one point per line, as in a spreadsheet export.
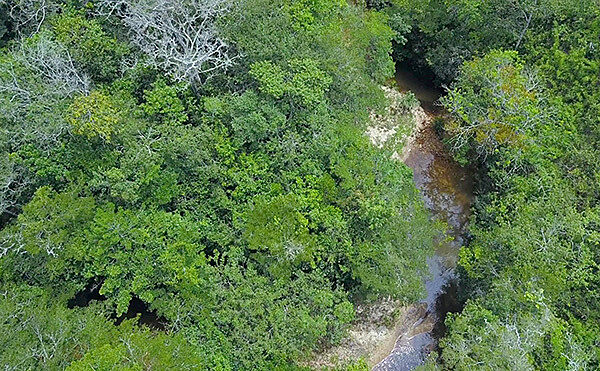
446	189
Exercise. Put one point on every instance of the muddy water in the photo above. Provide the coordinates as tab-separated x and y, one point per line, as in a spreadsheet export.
446	189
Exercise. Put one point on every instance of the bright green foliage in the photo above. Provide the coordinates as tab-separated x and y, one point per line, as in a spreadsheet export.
254	120
56	336
250	212
164	104
344	41
308	83
271	78
99	54
279	229
495	104
50	221
140	349
74	235
305	12
94	115
303	82
146	254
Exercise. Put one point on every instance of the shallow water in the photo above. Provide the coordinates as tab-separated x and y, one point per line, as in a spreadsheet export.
446	189
421	84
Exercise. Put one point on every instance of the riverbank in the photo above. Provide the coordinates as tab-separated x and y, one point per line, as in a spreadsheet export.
378	325
446	188
387	334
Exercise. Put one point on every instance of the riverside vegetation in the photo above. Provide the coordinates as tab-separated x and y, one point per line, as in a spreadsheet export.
188	184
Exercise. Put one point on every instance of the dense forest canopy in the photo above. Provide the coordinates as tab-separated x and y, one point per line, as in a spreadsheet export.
205	163
204	158
524	105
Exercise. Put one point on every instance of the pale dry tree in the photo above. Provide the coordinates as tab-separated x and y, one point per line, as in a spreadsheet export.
39	75
40	61
52	62
13	182
178	36
29	15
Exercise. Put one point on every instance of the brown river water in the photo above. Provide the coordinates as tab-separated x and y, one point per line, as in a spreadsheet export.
446	189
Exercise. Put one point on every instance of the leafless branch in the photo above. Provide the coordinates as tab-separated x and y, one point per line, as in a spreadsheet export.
178	36
29	15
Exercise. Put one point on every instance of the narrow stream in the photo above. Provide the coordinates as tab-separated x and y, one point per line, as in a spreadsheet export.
446	188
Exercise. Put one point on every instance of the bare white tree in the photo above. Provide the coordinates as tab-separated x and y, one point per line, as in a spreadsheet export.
40	76
178	36
526	10
40	67
36	80
50	61
13	181
29	15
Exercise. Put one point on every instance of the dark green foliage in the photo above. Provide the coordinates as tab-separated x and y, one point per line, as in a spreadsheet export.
528	120
99	54
4	24
447	33
249	212
40	333
342	41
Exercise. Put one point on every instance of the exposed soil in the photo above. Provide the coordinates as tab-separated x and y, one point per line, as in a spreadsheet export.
372	335
388	335
446	188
